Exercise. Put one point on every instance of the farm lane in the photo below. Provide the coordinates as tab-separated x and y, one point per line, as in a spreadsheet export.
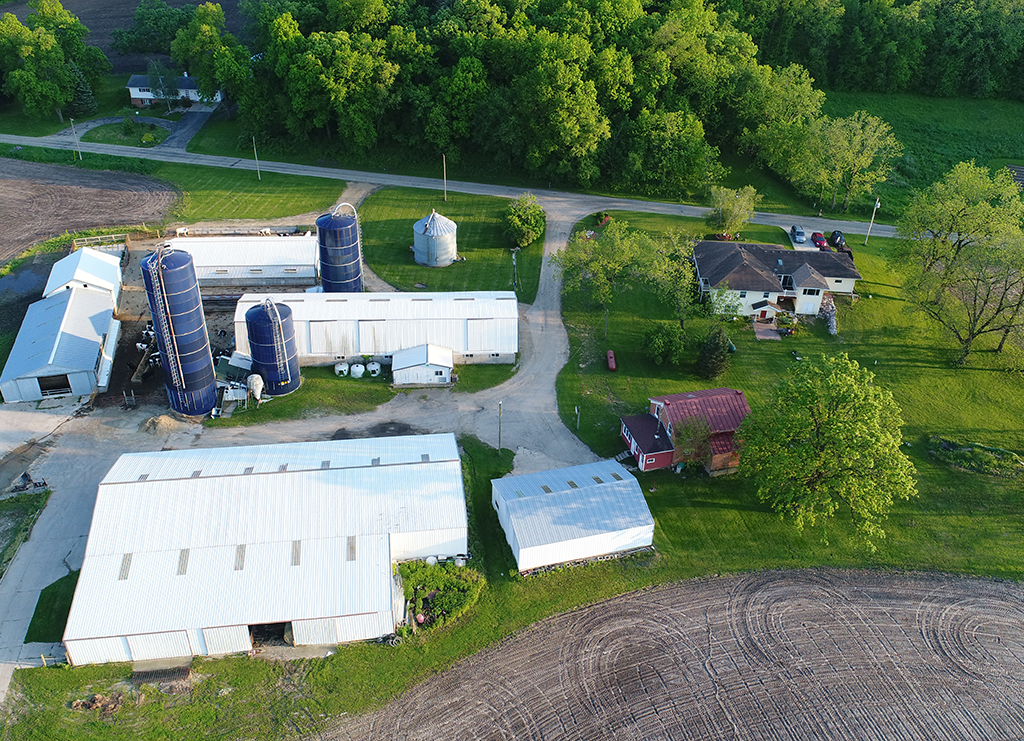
580	202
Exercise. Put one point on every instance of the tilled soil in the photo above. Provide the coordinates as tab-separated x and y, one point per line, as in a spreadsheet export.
781	655
41	201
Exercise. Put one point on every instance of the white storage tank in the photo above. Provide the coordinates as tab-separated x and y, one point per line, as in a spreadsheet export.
434	241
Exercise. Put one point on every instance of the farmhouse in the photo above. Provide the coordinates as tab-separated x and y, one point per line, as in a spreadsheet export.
143	96
765	280
424	365
651	436
252	261
86	268
572	514
477	326
191	549
65	346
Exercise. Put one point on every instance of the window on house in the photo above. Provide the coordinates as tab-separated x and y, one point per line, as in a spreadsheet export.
743	294
765	295
811	291
839	281
439	373
650	459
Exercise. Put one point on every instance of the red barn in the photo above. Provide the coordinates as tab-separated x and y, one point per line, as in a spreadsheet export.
650	436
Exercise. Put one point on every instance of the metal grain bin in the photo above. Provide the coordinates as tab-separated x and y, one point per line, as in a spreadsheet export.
434	241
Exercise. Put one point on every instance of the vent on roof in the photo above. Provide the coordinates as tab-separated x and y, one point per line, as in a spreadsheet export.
143	477
379	300
425	458
126	564
572	484
296	552
249	469
545	488
780	262
240	557
520	494
616	476
325	464
597	479
282	467
183	562
351	548
375	462
197	474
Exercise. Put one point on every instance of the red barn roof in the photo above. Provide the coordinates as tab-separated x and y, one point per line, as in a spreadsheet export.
724	409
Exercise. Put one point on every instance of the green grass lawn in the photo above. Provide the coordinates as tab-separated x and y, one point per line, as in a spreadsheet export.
480	376
658	225
51	614
17	516
387	217
321	392
111	97
114	134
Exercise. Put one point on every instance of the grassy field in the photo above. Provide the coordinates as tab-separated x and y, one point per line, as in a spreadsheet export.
477	377
114	134
17	516
387	217
111	97
51	613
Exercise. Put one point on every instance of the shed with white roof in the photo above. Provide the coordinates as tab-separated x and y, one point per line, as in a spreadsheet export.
86	268
252	260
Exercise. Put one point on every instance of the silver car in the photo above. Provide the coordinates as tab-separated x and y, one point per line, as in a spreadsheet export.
797	234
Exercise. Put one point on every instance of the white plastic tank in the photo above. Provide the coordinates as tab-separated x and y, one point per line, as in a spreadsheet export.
434	242
341	369
255	385
356	370
374	368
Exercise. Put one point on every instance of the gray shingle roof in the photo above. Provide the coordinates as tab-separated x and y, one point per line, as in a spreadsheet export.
183	83
744	266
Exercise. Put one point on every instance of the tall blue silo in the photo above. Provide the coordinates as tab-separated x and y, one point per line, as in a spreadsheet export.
177	309
341	268
272	346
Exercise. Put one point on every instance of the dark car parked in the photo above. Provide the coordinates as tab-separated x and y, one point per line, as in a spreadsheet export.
836	239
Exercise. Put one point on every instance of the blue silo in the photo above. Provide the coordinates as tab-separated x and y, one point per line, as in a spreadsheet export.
341	268
272	346
177	309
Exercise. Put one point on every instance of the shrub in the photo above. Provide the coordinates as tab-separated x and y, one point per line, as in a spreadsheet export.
441	593
524	220
713	359
664	342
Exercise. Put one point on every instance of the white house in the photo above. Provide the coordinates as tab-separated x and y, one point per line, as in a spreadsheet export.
252	261
423	365
766	279
477	326
86	268
190	549
143	96
572	514
65	346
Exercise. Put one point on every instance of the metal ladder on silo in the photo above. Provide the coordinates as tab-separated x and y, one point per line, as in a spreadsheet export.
163	318
280	348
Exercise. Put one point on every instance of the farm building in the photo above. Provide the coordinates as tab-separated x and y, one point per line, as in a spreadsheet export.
572	514
86	268
65	346
477	326
252	261
142	94
191	549
651	437
763	279
423	365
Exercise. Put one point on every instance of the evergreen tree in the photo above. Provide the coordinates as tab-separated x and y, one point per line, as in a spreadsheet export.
713	359
83	101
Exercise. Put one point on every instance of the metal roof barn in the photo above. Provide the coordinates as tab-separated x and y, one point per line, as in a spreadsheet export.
189	548
86	268
424	365
476	325
252	261
572	514
65	347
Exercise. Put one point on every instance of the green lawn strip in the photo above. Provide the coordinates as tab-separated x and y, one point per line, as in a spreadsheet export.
17	516
659	225
114	134
111	98
480	376
321	392
51	614
387	218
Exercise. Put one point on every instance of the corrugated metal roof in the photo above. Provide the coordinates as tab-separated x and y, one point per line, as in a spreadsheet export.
61	334
373	306
206	502
435	224
248	252
422	355
87	266
570	503
723	408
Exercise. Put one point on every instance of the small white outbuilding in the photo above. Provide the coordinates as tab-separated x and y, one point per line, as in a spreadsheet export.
424	365
572	514
86	268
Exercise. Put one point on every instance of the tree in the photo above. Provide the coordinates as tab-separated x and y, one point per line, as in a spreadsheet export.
691	441
732	208
83	101
713	359
196	46
668	270
162	83
667	153
828	439
664	342
524	220
36	71
154	26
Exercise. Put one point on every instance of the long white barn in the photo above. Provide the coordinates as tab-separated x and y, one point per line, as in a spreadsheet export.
477	326
189	549
252	261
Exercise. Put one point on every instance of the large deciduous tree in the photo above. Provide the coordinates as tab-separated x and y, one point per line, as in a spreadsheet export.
731	209
668	270
524	220
154	26
828	440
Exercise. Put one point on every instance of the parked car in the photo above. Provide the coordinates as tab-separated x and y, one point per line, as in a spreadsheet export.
836	239
818	240
797	234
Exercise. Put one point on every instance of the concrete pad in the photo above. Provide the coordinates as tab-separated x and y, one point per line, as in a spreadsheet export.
22	605
14	631
22	422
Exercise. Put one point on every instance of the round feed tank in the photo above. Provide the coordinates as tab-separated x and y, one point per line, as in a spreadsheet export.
340	252
272	346
434	241
177	309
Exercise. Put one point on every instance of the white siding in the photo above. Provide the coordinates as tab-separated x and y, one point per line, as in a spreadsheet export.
230	640
583	548
422	375
149	646
98	651
363	627
409	546
842	285
319	632
196	642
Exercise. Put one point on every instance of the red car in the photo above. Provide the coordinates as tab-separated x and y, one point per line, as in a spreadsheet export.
818	240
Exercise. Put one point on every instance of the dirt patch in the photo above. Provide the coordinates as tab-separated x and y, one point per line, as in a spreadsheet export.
384	429
106	704
804	654
41	201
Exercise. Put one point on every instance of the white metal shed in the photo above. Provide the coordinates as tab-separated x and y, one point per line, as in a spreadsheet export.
86	268
252	261
572	514
188	549
423	365
65	347
478	326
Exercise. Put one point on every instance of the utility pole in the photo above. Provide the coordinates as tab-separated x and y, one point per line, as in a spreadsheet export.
78	146
499	426
577	418
878	202
258	176
444	168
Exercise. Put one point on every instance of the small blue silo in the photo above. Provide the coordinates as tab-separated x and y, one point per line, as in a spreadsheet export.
177	309
272	346
434	241
340	251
